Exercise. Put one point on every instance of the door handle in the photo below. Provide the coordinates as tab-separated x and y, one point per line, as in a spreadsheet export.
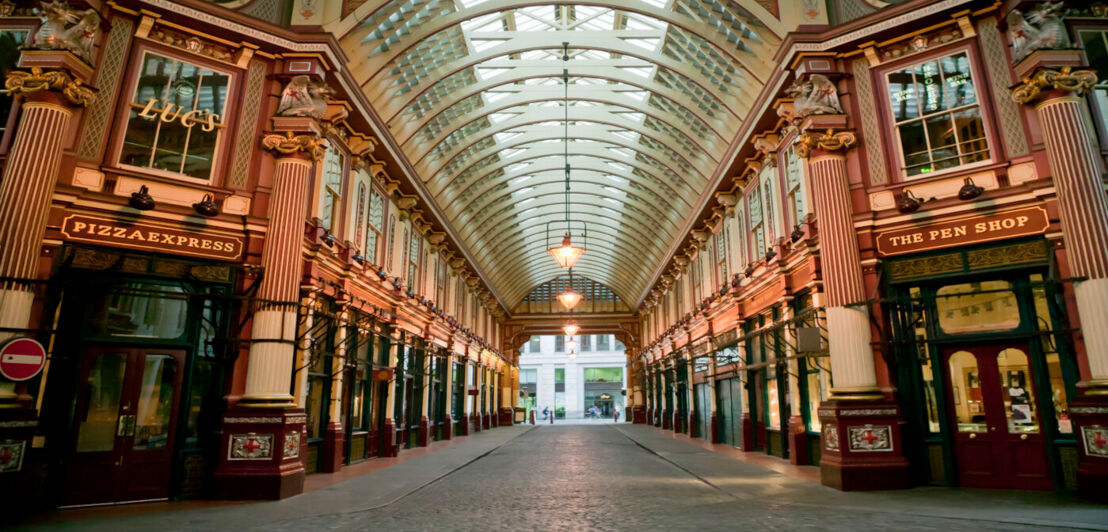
992	429
1023	436
126	425
973	436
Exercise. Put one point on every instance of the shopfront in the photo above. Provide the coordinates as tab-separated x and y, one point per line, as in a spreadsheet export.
134	391
729	399
986	370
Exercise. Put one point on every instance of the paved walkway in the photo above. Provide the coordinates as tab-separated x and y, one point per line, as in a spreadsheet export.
609	477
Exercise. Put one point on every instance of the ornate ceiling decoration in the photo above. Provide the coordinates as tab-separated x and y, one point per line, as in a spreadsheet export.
472	91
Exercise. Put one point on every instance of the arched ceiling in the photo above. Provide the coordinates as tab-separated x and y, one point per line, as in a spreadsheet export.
473	90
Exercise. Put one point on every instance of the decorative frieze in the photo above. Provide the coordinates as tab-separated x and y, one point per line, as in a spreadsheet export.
829	141
1064	78
263	419
291	143
868	412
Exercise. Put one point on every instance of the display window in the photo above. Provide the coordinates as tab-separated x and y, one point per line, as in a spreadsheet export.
177	118
936	114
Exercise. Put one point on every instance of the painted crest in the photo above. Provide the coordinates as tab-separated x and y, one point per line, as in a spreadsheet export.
251	446
871	438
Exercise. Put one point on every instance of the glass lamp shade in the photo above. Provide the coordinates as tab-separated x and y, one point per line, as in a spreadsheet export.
571	344
572	355
566	254
571	329
569	298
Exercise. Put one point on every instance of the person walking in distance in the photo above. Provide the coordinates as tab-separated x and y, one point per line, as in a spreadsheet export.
615	414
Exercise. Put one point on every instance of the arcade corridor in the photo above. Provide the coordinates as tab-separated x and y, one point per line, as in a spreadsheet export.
601	477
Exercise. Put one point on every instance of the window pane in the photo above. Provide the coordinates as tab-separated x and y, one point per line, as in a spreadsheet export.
1019	391
155	402
969	407
143	310
603	374
977	307
913	144
101	410
903	95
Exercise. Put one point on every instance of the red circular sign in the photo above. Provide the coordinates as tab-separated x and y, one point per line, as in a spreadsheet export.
21	359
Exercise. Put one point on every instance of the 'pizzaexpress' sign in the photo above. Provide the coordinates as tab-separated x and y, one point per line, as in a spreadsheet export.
148	237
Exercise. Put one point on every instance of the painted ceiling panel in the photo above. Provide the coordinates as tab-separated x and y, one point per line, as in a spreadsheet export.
473	91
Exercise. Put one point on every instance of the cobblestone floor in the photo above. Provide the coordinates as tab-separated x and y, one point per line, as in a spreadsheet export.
611	477
596	478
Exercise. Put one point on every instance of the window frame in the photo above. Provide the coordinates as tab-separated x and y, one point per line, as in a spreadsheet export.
336	216
137	60
895	163
372	254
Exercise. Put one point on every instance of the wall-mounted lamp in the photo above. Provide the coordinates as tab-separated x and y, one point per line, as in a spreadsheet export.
907	202
142	200
206	206
969	190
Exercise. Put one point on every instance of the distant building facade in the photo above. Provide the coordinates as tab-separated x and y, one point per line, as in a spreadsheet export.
595	377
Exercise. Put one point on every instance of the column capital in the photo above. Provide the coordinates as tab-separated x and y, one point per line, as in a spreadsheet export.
1066	79
292	144
829	141
37	80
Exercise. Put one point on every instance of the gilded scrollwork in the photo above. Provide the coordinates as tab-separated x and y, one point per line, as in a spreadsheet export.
291	143
830	141
1065	78
60	81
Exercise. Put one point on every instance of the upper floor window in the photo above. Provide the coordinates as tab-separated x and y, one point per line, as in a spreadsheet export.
603	342
937	115
559	344
391	244
794	185
721	256
359	220
413	261
440	283
374	226
1096	53
176	117
330	200
11	40
741	252
533	345
586	342
757	225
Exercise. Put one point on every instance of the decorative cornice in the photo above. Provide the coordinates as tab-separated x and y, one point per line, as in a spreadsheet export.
291	143
830	141
60	81
1065	78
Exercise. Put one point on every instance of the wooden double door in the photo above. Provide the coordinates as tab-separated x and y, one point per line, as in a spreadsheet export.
124	428
998	434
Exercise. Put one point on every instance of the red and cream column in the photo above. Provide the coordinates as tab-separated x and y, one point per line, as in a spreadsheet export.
1055	89
861	434
50	98
262	433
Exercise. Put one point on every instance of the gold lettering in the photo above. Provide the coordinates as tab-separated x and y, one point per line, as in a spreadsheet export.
979	227
217	245
960	231
146	111
105	230
193	242
231	247
189	119
167	114
154	237
210	124
136	235
79	226
1022	220
206	244
118	232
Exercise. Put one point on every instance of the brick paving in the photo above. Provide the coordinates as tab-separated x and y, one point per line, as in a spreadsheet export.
613	477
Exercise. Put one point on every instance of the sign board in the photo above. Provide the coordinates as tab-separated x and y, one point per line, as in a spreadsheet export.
1010	224
382	375
151	237
22	359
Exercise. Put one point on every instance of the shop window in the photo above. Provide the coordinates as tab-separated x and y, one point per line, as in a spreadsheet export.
1058	390
361	392
177	112
727	355
10	43
604	375
773	397
969	406
818	391
794	184
918	317
143	310
937	116
1096	53
528	376
977	307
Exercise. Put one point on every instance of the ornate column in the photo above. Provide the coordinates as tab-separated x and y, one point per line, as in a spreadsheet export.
50	98
448	405
334	437
1054	85
713	420
424	421
262	432
862	445
389	447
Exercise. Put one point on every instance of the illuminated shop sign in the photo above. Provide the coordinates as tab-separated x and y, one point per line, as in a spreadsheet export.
1021	222
148	237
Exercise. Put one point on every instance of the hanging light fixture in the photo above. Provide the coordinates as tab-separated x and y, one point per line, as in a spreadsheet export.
571	344
566	254
569	298
571	328
572	355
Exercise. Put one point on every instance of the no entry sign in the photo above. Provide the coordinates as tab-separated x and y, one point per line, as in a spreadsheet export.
21	359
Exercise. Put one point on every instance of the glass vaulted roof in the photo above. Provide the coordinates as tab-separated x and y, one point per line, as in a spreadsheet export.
473	92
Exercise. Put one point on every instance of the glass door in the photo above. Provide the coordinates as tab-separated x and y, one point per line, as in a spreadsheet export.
124	426
998	439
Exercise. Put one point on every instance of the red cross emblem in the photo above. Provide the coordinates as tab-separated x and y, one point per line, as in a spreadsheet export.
251	446
1098	440
869	438
5	456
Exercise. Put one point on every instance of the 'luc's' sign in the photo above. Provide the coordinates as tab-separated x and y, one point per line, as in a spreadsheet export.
1020	222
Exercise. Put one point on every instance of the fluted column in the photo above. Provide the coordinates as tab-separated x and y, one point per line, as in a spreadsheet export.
30	174
269	372
848	327
1057	96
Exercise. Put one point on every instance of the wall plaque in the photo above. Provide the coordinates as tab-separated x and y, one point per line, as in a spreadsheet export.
150	237
1010	224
